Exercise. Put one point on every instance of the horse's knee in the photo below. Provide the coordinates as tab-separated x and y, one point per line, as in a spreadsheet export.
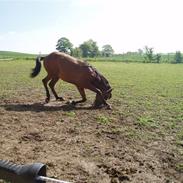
52	83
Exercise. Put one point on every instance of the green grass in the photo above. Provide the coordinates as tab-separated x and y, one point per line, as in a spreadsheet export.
152	94
70	114
180	167
145	121
15	55
103	120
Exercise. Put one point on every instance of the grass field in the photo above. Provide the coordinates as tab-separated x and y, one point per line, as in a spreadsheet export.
140	139
15	55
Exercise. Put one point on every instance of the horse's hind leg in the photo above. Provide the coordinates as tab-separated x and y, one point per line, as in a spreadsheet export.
45	82
52	85
83	95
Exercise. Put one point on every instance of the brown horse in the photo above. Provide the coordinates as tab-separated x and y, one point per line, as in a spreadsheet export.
62	66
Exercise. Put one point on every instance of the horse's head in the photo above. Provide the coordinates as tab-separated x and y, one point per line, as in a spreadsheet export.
106	88
102	84
107	94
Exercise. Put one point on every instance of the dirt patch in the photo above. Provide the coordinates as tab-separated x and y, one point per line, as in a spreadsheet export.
83	145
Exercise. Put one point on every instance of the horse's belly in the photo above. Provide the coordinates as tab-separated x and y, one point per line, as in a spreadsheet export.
66	78
79	76
78	81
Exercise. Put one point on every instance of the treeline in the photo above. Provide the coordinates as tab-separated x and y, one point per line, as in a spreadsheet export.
150	57
91	51
86	49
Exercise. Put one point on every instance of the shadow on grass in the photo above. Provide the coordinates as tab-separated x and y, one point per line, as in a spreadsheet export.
40	107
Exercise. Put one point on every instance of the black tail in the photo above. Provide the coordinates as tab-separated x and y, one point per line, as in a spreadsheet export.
37	68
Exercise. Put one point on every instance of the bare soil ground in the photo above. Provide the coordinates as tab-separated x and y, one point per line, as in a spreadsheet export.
83	145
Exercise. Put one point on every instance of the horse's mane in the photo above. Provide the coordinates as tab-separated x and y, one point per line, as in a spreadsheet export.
100	81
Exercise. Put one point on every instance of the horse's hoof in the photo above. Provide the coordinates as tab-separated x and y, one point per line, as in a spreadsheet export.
47	100
96	106
73	102
60	99
108	107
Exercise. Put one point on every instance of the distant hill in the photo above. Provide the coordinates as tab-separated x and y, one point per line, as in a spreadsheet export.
13	55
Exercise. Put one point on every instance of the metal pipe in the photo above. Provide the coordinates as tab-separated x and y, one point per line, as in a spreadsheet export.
51	180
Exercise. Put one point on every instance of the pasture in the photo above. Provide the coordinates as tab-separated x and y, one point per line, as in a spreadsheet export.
139	140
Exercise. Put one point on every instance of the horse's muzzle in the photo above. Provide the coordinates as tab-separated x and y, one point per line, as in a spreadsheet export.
107	96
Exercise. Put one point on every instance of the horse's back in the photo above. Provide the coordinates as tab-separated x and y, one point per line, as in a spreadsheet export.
67	68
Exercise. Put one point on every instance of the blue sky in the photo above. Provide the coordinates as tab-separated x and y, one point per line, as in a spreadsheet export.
34	26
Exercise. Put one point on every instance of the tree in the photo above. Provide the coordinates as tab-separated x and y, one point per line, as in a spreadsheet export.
64	45
77	52
148	54
150	57
140	51
107	50
157	58
89	48
178	57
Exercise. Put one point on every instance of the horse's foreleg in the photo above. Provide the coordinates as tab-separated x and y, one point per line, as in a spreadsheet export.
52	85
99	94
45	82
83	95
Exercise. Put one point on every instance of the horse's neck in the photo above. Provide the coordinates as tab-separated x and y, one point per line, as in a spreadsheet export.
100	83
